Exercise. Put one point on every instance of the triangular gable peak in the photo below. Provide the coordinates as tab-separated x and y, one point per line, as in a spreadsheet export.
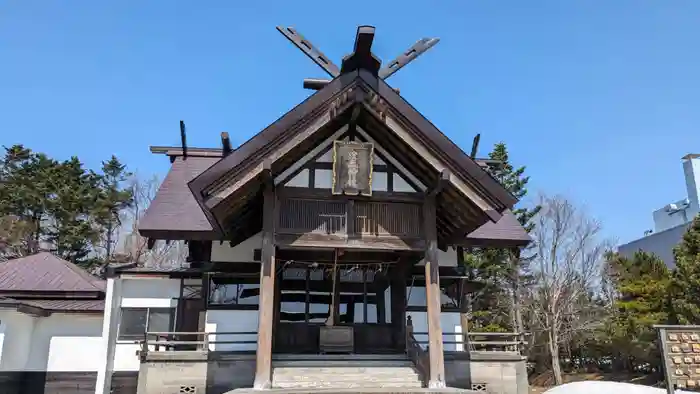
230	189
315	169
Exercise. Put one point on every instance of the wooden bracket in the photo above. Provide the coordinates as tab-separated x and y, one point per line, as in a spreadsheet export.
441	183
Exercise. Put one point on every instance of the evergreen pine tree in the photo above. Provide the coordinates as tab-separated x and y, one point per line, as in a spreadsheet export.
112	201
686	278
641	300
501	272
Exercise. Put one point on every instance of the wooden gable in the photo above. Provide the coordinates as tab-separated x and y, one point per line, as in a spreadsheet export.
231	189
315	170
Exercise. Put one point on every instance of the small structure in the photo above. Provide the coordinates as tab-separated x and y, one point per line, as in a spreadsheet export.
673	220
323	253
50	326
680	349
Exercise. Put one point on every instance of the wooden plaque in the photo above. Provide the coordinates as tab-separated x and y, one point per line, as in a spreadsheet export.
352	168
680	349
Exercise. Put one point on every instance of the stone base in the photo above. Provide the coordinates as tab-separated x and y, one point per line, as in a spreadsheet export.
386	390
487	372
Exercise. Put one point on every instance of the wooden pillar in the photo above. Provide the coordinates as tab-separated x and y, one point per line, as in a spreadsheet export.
381	305
398	304
432	289
464	302
351	313
266	309
336	297
195	318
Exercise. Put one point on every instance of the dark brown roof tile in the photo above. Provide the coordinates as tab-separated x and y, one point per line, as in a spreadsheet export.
174	207
46	272
506	232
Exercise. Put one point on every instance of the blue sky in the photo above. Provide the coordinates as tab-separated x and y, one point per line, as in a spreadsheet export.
600	99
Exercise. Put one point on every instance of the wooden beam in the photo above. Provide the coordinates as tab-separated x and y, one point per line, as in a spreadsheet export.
310	240
432	289
266	310
443	181
349	256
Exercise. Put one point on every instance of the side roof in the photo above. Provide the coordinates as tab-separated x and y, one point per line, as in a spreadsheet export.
44	272
174	210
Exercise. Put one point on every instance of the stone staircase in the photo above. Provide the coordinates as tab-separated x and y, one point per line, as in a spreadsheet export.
344	372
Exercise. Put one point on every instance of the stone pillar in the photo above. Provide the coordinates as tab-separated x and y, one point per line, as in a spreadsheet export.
266	309
110	324
432	290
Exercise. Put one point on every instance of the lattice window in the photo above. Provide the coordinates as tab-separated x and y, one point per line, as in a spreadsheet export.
298	216
377	218
479	387
192	291
188	390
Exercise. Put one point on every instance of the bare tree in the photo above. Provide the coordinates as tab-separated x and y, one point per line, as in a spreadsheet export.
134	247
566	270
16	238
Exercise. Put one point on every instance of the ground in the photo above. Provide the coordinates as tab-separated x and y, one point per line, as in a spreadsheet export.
543	382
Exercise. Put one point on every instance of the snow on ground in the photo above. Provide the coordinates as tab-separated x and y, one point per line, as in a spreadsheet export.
598	387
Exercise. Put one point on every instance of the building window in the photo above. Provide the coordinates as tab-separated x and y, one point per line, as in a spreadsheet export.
451	292
135	322
234	294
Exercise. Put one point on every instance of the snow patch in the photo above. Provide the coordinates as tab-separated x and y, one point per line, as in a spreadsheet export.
599	387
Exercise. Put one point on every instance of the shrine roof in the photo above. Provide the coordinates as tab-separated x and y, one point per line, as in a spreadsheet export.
175	214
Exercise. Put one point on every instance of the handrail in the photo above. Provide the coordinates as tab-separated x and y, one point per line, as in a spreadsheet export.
416	353
481	341
176	340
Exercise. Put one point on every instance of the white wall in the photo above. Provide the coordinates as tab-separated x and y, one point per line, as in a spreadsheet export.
60	342
691	170
243	252
147	292
18	329
232	321
449	323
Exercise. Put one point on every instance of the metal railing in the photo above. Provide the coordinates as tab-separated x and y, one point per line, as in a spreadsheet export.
511	342
178	341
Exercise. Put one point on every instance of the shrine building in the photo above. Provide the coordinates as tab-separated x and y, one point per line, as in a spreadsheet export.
333	238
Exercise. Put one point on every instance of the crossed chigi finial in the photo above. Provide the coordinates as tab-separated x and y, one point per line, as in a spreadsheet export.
361	57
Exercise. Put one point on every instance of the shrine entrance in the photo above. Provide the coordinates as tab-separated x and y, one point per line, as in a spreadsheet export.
340	307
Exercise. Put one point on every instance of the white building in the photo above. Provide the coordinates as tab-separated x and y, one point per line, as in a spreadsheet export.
671	221
50	326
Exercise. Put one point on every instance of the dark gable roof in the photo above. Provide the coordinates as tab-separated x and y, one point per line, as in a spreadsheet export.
43	283
44	272
507	232
255	148
174	208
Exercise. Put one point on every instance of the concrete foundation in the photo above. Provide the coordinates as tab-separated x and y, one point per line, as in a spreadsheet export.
487	372
218	373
